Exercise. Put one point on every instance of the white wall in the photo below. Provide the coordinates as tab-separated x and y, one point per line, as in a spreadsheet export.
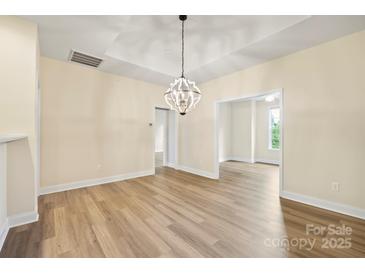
324	129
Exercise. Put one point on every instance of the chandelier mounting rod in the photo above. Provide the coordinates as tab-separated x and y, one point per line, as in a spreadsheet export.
182	19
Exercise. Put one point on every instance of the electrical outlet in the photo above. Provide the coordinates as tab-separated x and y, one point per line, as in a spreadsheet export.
336	186
98	166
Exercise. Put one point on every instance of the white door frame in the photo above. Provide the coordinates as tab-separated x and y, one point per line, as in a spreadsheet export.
165	138
37	164
246	98
173	164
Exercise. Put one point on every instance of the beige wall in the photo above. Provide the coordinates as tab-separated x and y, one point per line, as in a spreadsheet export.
324	111
94	124
262	151
18	66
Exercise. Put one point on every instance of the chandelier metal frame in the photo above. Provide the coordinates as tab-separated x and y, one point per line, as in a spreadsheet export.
183	94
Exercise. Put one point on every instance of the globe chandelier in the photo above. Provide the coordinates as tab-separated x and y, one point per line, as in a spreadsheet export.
183	95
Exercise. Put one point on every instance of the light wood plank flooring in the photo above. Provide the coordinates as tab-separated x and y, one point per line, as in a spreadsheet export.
177	214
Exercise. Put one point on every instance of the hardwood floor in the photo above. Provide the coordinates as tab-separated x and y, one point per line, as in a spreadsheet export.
177	214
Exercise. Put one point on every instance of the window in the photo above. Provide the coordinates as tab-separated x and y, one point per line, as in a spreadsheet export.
274	128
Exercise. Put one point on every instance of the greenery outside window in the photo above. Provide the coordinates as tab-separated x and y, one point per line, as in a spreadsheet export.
274	128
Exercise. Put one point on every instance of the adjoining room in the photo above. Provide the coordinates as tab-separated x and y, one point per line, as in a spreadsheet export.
249	140
165	137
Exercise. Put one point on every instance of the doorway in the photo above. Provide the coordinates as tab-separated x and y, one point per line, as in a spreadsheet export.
249	135
165	153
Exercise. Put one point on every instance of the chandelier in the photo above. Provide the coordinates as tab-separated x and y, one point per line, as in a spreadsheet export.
183	95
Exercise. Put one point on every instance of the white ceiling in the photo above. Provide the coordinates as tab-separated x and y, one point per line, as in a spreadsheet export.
149	47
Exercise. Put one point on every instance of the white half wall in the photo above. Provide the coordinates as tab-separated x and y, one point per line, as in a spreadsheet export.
3	194
18	84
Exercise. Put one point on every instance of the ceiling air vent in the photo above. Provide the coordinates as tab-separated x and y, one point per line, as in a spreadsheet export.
84	59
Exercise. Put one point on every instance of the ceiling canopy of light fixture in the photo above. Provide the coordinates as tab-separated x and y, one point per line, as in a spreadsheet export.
183	95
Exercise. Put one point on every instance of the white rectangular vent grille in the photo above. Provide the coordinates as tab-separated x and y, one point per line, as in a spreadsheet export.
85	59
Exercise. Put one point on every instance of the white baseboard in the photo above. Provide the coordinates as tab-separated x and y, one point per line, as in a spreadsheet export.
172	165
16	220
235	158
336	207
93	182
225	159
199	172
22	219
4	229
248	160
241	159
267	161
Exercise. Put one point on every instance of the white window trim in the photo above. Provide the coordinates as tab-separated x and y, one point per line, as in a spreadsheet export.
269	126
